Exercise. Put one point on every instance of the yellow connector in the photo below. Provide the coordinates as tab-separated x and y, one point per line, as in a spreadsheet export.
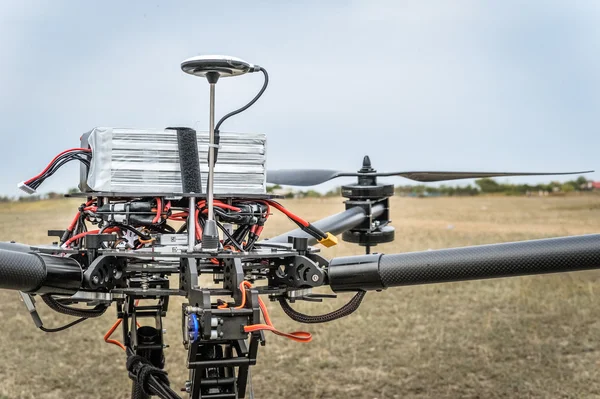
328	241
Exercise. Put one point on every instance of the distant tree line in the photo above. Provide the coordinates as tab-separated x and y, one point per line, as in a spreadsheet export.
491	186
38	197
481	186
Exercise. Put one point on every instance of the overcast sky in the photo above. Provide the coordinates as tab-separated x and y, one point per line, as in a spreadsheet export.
455	85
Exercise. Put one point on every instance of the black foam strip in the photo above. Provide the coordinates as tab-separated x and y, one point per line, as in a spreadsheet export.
188	160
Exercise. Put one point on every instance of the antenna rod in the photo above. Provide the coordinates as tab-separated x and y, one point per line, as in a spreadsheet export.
211	155
210	234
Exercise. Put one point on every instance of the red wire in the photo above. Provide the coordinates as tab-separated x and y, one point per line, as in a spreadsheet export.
54	160
87	207
286	212
158	211
85	233
220	204
74	222
198	228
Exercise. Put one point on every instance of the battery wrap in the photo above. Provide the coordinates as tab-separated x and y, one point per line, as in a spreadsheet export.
147	161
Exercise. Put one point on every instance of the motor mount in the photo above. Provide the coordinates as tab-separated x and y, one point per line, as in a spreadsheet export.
365	194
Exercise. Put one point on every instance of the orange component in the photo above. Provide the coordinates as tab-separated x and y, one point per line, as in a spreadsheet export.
298	336
110	332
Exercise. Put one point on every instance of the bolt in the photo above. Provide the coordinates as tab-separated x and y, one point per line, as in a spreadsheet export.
95	279
315	278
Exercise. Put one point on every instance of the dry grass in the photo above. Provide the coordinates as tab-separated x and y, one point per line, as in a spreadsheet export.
523	337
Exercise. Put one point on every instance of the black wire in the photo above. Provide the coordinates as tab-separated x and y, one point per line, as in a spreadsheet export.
66	157
245	107
64	309
224	230
316	232
161	228
63	159
127	227
345	310
240	233
57	329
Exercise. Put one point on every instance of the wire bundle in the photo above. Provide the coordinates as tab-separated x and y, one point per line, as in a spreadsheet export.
82	155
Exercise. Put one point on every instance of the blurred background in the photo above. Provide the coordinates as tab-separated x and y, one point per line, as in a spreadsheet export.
463	85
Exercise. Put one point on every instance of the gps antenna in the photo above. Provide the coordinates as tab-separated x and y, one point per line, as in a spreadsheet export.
213	67
189	162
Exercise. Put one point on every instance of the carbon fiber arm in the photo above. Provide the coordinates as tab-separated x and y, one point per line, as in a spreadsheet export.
21	271
552	255
32	272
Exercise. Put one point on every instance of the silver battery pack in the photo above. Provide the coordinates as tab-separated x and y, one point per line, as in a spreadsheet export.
147	161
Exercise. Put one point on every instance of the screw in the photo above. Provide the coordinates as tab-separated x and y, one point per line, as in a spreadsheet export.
315	278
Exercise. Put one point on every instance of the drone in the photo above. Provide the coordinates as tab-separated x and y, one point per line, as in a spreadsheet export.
163	207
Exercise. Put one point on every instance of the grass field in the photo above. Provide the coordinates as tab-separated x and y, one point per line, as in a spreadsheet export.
535	336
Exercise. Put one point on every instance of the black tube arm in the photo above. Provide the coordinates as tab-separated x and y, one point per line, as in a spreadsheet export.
552	255
39	273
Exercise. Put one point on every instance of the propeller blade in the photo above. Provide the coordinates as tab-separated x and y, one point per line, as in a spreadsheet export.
301	177
442	176
312	177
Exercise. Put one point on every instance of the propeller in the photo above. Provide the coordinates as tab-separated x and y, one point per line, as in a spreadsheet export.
312	177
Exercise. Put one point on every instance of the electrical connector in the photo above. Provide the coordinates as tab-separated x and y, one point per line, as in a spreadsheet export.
26	188
329	241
